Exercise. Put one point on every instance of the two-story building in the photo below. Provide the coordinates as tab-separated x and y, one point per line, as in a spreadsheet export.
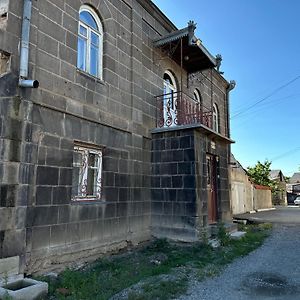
114	128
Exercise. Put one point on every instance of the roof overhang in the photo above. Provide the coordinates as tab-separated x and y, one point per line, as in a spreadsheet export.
195	57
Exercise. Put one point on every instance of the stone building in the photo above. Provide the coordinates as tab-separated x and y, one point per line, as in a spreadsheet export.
114	128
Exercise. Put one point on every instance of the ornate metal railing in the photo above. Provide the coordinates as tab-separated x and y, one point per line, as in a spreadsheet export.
177	108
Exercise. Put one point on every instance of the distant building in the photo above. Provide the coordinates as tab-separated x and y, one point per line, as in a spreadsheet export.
295	178
279	196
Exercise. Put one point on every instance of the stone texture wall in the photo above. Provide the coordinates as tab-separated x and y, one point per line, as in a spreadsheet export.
173	193
179	183
39	222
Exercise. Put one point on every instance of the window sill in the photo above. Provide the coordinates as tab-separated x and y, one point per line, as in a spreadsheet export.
90	77
87	201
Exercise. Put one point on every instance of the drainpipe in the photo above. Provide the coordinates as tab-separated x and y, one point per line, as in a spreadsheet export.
24	51
230	87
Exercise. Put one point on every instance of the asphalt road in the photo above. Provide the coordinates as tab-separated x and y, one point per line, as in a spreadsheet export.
270	272
282	215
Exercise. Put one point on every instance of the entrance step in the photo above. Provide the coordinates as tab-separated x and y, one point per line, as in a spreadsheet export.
229	228
237	235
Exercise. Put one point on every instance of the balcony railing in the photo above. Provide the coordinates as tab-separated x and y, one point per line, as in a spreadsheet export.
177	108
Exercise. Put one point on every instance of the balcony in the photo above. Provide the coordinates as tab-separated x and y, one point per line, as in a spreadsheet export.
178	109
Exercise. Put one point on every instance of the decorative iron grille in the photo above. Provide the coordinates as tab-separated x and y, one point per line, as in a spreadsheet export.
177	108
87	171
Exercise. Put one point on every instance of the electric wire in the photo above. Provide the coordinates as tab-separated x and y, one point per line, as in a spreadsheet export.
266	97
285	154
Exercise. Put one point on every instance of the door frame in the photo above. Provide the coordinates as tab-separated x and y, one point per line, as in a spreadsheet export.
212	188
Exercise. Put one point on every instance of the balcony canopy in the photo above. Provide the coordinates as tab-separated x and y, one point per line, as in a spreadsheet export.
194	56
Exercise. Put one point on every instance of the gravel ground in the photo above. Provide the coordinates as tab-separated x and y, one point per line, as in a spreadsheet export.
270	272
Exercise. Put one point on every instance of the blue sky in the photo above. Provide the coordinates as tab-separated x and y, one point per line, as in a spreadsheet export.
260	44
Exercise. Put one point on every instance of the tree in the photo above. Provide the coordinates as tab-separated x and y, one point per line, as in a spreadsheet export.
260	173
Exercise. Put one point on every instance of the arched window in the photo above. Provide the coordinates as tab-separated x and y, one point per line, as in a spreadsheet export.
169	100
90	42
215	118
169	83
197	96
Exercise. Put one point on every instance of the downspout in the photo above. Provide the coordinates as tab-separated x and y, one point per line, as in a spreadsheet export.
24	51
230	87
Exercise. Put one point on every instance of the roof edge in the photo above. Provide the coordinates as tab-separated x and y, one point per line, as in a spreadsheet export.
150	7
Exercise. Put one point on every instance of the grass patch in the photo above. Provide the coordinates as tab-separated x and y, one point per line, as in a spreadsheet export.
163	290
107	277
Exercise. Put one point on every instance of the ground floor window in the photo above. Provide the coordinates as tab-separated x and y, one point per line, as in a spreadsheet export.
87	172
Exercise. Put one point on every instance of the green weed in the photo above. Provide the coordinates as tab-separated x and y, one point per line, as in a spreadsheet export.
107	277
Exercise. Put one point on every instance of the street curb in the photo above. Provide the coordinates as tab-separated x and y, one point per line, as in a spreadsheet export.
265	209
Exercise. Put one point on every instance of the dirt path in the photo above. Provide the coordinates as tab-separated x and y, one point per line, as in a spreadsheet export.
270	272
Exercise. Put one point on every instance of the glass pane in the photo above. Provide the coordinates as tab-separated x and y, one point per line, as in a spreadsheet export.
90	182
88	19
76	173
95	39
81	54
92	159
94	60
83	31
75	181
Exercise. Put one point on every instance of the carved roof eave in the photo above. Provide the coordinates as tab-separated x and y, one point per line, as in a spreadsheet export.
171	37
193	41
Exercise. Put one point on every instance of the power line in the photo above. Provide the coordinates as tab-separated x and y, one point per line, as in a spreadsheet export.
244	105
267	97
286	153
267	105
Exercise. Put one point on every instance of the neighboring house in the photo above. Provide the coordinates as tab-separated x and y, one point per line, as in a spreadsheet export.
126	137
245	195
293	188
295	178
279	196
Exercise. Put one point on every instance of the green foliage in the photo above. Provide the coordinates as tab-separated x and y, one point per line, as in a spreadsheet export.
107	277
260	174
222	235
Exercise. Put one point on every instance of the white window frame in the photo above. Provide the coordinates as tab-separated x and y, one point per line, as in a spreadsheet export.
170	100
215	119
197	96
83	175
89	41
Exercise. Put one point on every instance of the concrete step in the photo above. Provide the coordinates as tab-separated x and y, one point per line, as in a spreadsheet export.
237	235
229	227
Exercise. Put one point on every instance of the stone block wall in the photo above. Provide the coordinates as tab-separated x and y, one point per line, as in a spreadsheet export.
179	183
173	193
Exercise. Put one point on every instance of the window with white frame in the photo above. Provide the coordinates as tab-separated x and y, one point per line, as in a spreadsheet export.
90	42
197	96
215	118
87	172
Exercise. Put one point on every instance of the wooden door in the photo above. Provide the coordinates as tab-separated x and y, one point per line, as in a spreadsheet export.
211	166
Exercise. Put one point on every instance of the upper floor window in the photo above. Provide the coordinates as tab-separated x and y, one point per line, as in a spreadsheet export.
215	118
197	96
169	100
169	83
90	42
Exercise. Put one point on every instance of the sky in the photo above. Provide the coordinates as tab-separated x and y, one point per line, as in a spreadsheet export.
259	41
